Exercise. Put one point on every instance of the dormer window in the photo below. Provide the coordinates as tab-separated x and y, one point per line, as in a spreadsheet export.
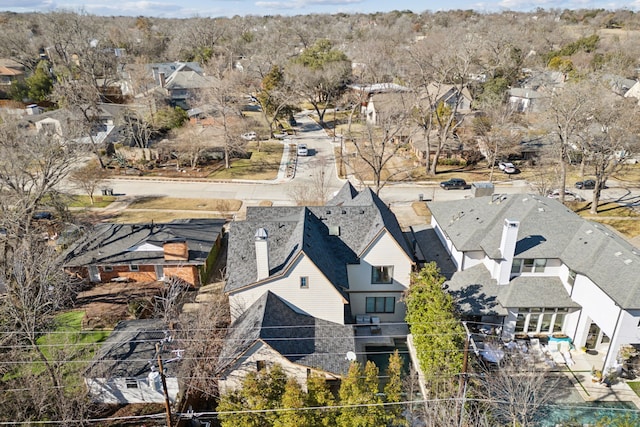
528	265
382	274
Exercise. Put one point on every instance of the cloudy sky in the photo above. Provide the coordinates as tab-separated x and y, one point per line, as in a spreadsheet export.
214	8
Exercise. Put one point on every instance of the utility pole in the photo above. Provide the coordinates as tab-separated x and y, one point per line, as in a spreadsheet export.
167	404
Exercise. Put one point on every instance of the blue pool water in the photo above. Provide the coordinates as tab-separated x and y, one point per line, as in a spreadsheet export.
586	413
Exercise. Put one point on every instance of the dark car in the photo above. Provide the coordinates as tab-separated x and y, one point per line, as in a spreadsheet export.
455	183
43	215
587	184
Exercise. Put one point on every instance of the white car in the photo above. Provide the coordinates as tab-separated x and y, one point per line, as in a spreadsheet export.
568	196
249	136
508	168
303	150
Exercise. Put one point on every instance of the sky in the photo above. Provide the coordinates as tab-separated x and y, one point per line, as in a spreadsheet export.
217	8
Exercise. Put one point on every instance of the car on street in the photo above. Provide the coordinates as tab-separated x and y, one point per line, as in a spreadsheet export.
588	184
508	168
249	136
303	150
455	183
568	195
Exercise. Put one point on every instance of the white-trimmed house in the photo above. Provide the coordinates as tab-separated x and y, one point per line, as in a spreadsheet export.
333	262
125	369
538	268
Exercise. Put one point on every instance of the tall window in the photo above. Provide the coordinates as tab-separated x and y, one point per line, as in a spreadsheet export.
304	282
382	274
540	320
381	304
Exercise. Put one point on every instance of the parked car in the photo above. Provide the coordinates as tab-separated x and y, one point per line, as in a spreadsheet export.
455	183
249	136
588	184
303	150
568	196
43	215
508	168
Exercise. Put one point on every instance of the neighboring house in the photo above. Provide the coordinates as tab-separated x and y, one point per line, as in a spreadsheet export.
333	262
526	100
126	370
180	82
62	123
271	331
535	267
379	98
450	95
618	84
11	73
186	249
634	92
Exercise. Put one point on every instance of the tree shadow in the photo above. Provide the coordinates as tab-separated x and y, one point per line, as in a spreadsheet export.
473	299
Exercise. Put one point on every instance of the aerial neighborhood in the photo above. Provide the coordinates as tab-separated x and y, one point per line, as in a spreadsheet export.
394	219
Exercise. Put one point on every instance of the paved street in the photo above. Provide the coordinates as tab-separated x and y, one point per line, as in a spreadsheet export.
321	163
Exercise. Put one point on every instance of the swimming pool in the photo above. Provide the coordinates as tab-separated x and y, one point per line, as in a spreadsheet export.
585	413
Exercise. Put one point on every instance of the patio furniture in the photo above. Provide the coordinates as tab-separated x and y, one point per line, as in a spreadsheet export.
565	349
492	353
555	353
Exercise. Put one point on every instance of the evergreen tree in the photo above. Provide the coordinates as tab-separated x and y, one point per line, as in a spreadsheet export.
437	334
293	398
393	390
319	395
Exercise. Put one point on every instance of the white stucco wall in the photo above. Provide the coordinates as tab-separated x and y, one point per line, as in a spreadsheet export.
456	256
114	390
321	299
384	251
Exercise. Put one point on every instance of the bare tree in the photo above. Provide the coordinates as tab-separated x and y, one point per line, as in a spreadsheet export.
608	138
442	64
88	178
317	192
378	143
167	304
36	289
517	390
568	111
31	168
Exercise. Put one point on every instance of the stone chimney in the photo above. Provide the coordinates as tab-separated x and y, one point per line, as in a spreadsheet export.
507	250
262	253
176	250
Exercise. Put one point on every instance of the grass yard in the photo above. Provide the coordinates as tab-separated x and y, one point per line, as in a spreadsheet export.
167	203
612	214
635	386
78	201
262	164
67	341
136	217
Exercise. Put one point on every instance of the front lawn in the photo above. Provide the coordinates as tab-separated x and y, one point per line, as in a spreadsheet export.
262	163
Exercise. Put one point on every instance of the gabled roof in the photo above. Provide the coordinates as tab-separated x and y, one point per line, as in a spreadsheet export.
187	78
116	244
548	230
130	351
380	88
302	339
354	218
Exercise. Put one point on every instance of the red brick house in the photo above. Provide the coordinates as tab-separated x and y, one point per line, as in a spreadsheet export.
186	249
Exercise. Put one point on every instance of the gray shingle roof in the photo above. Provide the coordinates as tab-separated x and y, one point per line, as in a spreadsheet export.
360	217
549	230
301	338
111	244
476	293
130	351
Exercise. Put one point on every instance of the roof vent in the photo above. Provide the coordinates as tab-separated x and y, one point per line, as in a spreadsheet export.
344	211
628	261
540	209
361	211
589	231
328	212
618	253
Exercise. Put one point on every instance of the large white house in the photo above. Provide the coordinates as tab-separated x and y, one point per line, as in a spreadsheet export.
533	265
299	277
333	262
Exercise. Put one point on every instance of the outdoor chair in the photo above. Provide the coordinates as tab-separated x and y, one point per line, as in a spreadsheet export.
535	349
565	349
555	353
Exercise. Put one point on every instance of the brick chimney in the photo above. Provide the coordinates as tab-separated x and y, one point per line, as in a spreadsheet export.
507	250
176	250
262	253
